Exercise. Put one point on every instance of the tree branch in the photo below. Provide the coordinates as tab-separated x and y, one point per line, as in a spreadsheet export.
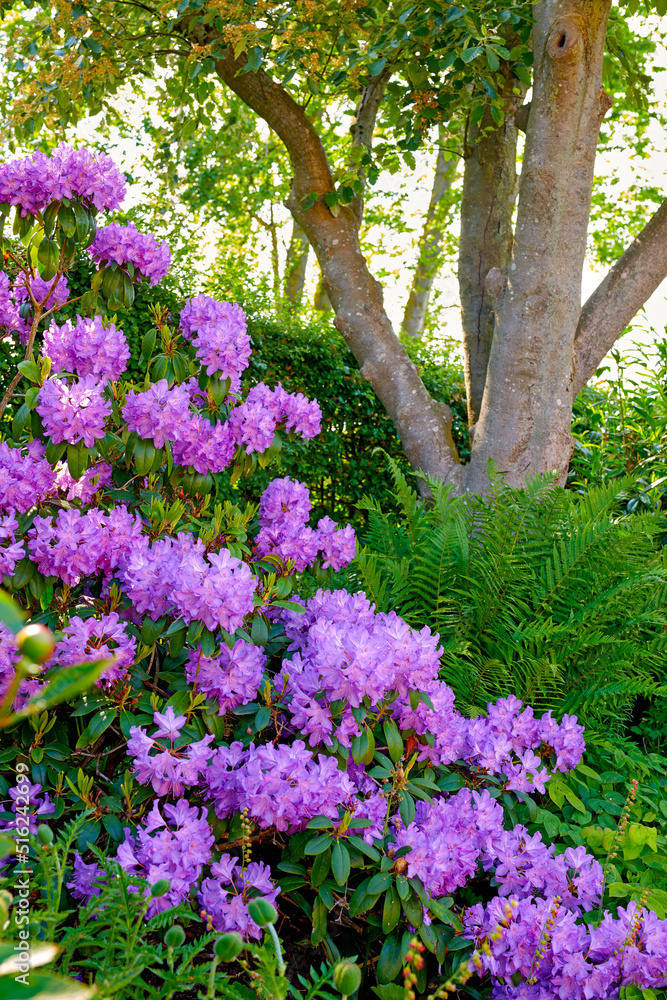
619	296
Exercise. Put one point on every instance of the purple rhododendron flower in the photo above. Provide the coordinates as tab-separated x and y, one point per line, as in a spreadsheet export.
159	413
205	446
125	244
220	335
337	545
282	786
87	347
173	844
256	419
87	880
33	182
74	412
11	550
95	478
9	657
169	768
90	640
50	293
177	574
233	677
224	896
9	311
74	545
25	480
29	808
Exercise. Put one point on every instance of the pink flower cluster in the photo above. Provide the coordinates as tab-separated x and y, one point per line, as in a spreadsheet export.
220	338
224	897
25	479
33	182
125	244
282	786
283	515
95	478
232	677
92	639
172	768
75	411
177	575
87	347
49	293
74	545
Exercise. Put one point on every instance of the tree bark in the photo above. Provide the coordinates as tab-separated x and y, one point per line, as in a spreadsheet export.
619	296
487	206
526	412
430	244
296	265
423	425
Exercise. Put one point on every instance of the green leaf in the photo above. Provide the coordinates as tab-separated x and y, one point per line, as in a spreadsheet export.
48	258
390	960
320	913
31	371
97	725
10	613
64	684
144	456
389	992
340	863
321	868
380	882
391	912
376	67
362	900
259	631
406	807
21	420
318	844
393	739
78	459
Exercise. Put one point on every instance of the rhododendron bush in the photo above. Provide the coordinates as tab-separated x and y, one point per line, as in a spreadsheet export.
226	738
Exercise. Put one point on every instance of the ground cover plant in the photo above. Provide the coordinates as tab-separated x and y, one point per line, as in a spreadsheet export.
198	762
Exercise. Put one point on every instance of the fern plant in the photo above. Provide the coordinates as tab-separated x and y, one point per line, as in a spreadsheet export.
540	593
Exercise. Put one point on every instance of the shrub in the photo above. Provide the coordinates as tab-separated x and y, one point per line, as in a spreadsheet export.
201	736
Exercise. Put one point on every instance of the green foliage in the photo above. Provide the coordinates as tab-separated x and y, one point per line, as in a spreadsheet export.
557	599
341	464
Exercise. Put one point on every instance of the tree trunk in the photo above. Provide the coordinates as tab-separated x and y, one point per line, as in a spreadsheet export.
296	265
487	205
526	411
423	424
321	302
429	261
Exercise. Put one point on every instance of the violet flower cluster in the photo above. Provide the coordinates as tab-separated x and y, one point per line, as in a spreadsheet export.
173	844
256	419
177	575
87	347
224	897
11	550
25	479
33	182
344	651
39	807
171	768
282	786
95	478
218	331
92	639
540	945
74	545
452	836
74	411
283	515
232	677
9	311
125	244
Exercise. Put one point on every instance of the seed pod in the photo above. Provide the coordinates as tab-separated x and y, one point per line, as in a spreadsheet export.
45	834
262	911
36	642
162	886
346	977
228	946
174	937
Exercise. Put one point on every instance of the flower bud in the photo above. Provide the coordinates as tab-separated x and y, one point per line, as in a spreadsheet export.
174	937
162	886
36	642
346	977
262	911
45	834
228	946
